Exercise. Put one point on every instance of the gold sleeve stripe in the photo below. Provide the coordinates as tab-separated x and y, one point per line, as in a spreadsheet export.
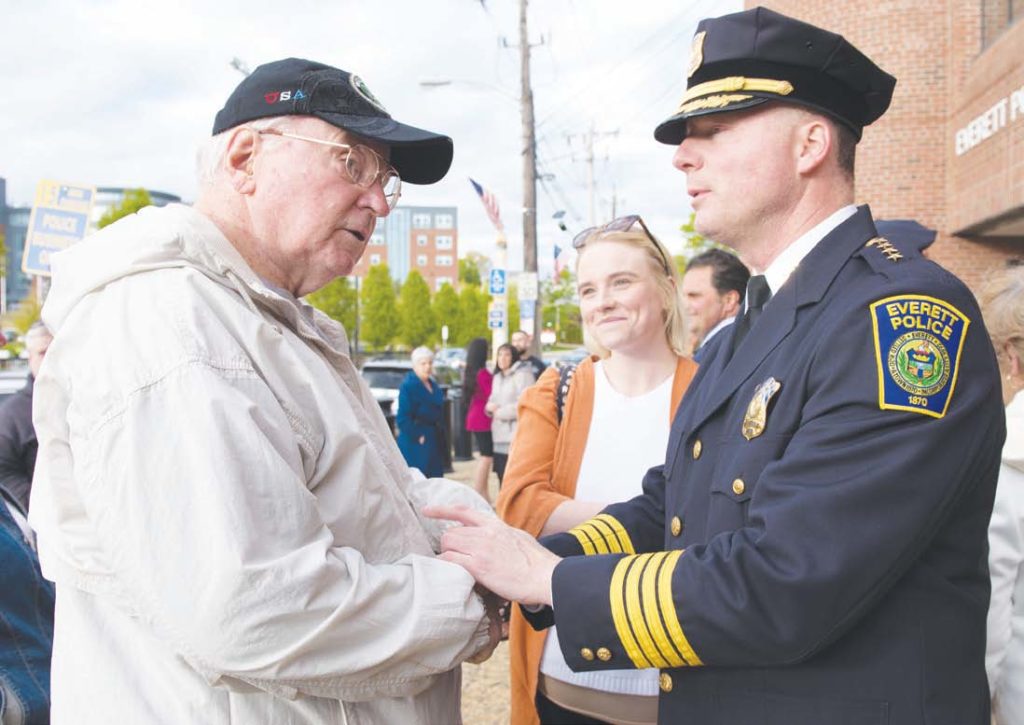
651	609
608	534
618	606
597	537
638	617
625	543
668	609
584	539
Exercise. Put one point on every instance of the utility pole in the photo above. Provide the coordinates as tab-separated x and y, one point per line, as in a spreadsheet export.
529	162
588	144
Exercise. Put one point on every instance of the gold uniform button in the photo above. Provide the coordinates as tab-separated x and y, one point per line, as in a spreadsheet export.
738	487
677	526
604	654
587	654
697	448
665	682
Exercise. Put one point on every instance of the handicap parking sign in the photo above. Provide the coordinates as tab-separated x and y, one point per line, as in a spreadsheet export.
497	281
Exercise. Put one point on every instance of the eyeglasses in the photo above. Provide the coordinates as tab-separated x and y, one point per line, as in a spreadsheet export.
363	165
622	224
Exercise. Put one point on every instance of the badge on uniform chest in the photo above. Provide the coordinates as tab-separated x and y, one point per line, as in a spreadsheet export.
756	417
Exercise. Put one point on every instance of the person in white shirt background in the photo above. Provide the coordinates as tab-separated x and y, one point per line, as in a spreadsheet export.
1003	305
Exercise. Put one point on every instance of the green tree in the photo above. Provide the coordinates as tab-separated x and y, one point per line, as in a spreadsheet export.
134	199
473	268
380	320
339	301
418	325
446	312
561	312
694	244
473	303
513	308
24	315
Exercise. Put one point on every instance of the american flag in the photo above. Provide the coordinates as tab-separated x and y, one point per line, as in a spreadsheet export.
490	205
559	262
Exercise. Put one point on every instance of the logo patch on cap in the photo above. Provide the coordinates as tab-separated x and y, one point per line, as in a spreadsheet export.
696	53
918	341
362	90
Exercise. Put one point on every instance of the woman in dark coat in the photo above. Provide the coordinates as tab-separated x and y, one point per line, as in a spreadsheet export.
420	417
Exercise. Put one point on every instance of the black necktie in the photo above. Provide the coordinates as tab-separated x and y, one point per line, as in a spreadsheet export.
758	294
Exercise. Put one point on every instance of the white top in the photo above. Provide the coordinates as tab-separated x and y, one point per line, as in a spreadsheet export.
1004	658
627	436
722	324
780	269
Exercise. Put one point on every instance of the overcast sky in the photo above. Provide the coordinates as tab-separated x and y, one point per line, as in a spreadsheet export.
119	93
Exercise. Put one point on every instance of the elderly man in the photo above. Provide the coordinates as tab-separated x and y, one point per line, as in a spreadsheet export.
813	549
233	532
713	288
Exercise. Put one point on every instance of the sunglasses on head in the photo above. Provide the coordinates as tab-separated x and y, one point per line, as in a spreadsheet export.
622	224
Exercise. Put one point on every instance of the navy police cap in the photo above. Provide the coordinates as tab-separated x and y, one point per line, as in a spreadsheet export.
298	87
744	59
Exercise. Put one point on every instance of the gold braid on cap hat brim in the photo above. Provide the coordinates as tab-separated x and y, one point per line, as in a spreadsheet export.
730	85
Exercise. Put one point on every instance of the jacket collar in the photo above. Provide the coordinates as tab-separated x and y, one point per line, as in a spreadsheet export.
806	286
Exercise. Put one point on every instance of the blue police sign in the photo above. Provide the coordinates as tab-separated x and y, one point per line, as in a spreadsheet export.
60	217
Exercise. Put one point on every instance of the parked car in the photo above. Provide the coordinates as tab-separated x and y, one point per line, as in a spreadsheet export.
385	377
12	380
570	357
453	357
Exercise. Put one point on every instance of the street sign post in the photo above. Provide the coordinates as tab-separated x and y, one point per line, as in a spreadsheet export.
496	319
60	217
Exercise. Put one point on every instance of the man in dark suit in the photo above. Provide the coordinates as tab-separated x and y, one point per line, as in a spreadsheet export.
813	550
713	287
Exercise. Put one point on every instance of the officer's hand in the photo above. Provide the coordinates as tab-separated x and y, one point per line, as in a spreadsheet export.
504	559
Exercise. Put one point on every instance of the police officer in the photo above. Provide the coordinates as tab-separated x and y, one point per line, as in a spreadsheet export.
813	549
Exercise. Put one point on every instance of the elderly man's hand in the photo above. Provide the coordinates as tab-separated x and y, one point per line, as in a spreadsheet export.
505	560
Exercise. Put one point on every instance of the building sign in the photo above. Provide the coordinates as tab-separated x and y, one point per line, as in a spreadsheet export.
986	125
60	217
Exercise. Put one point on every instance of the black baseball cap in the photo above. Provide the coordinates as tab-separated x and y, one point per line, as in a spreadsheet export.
297	87
748	58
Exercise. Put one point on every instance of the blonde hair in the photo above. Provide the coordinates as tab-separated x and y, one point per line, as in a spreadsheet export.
666	277
1002	304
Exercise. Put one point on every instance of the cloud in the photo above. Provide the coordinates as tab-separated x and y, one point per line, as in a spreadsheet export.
119	93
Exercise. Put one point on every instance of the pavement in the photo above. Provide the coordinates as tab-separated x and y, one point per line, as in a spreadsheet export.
484	686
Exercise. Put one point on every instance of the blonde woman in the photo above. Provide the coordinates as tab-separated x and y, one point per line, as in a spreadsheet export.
1003	306
562	472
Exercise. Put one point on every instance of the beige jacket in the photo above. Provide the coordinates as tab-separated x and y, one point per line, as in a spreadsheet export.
233	532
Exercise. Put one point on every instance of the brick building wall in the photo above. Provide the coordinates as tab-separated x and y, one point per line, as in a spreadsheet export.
907	167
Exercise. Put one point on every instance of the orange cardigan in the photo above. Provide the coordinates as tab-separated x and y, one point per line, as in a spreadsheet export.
543	464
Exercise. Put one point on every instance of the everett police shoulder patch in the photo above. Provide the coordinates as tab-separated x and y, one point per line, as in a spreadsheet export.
918	341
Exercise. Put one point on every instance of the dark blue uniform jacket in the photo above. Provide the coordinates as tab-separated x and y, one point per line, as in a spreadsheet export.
813	551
